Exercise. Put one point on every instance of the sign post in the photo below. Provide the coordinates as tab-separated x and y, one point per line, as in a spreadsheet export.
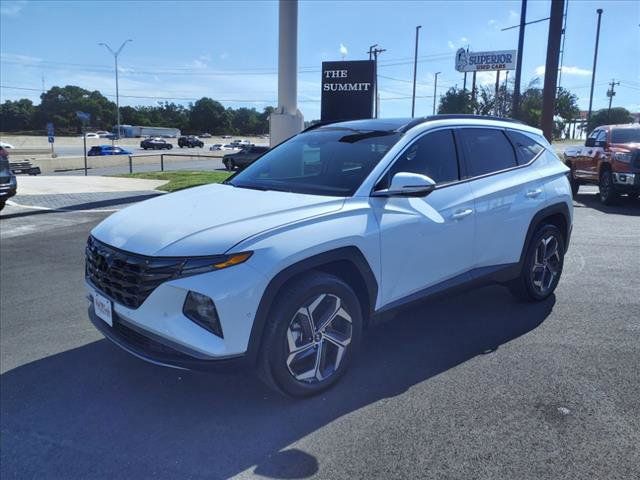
51	137
84	118
347	90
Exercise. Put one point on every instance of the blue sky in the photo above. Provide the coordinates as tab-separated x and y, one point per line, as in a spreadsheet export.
182	51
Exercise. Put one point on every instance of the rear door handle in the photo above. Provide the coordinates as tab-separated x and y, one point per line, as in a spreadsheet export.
462	213
534	193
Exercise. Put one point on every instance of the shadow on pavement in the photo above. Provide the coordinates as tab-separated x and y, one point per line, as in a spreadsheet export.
624	206
95	411
82	206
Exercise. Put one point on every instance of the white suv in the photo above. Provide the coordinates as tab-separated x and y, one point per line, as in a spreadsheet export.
285	264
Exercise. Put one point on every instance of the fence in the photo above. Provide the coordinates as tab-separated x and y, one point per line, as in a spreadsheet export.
162	156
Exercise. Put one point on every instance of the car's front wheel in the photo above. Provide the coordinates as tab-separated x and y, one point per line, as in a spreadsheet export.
542	265
311	336
608	194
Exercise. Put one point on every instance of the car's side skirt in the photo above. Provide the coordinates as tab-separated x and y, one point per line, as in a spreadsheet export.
471	279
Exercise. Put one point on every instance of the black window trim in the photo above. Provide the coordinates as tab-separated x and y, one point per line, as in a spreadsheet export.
409	145
462	162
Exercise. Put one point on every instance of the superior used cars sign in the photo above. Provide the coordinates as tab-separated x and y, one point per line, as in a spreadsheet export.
347	90
485	61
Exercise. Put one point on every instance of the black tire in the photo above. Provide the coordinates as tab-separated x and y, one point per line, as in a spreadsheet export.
231	165
2	203
575	183
274	369
608	194
524	287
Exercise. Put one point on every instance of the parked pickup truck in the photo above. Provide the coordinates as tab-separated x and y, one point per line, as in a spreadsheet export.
244	157
610	159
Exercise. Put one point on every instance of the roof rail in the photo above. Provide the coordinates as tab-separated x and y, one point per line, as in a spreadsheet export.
454	116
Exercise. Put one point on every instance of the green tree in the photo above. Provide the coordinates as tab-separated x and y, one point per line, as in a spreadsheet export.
617	116
456	100
207	115
60	104
16	115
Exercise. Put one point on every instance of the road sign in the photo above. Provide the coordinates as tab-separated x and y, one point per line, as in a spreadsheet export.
51	138
50	132
485	61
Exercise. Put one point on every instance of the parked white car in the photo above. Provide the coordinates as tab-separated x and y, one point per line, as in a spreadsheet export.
91	135
321	236
6	145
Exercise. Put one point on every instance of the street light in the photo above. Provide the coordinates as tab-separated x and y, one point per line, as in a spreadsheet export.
435	87
415	69
115	56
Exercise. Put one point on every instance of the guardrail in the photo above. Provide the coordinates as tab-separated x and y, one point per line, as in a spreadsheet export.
162	155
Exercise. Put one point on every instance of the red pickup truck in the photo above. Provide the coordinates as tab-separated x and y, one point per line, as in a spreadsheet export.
610	159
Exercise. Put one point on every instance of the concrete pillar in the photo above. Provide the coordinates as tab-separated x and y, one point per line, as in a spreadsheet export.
287	120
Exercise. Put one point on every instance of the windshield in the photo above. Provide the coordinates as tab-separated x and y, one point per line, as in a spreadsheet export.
625	135
330	161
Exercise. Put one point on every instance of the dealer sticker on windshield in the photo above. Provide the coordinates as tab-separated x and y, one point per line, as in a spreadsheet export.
102	307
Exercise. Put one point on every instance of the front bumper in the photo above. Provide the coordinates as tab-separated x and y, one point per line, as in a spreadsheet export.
626	182
7	192
157	351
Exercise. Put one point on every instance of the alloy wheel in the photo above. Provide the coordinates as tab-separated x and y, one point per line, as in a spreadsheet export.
318	338
547	264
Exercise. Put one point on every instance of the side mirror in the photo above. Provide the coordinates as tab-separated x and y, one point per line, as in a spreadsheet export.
590	142
405	184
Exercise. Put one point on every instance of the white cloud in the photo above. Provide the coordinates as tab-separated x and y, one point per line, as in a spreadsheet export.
12	8
566	70
452	46
464	40
514	17
343	50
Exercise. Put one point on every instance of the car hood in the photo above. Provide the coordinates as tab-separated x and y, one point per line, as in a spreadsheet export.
206	220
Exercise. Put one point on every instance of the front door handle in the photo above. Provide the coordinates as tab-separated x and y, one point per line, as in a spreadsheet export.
533	193
461	213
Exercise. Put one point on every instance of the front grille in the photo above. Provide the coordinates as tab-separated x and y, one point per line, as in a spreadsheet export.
126	277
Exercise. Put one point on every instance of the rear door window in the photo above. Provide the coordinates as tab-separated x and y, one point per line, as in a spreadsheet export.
526	147
486	150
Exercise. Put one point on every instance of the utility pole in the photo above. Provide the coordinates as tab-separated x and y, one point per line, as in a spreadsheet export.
564	37
435	89
415	70
516	86
551	68
595	61
115	54
611	93
374	50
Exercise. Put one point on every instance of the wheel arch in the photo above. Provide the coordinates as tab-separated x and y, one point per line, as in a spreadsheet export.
556	214
347	263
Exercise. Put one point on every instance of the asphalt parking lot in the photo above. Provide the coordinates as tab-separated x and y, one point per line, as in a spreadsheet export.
474	385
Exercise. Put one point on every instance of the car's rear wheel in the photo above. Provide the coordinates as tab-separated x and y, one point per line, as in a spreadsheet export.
231	165
608	194
312	333
542	265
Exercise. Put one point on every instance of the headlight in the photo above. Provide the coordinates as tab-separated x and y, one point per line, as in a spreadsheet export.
197	265
200	309
624	157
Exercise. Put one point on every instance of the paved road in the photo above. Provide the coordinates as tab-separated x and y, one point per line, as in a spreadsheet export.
559	398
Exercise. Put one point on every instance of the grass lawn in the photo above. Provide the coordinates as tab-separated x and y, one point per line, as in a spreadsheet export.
180	179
